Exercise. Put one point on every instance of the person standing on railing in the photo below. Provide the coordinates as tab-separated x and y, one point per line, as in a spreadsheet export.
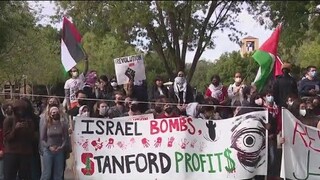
75	83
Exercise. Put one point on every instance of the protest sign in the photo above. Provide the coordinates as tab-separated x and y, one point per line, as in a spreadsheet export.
301	149
180	148
129	68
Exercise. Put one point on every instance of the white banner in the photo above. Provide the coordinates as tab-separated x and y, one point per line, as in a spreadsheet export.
129	67
174	148
301	149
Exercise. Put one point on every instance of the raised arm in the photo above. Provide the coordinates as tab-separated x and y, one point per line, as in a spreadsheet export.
86	66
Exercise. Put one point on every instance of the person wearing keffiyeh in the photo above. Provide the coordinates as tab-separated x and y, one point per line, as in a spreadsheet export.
217	90
182	90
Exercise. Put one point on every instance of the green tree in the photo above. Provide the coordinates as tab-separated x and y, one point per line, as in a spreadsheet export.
46	68
200	79
102	51
297	18
172	28
230	63
15	20
166	27
15	24
89	16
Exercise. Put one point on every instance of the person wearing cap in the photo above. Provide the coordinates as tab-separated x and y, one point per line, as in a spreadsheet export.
284	85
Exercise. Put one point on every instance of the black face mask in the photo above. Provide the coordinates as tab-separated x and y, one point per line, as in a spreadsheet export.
134	108
8	112
56	117
286	71
82	102
51	105
158	109
216	83
168	110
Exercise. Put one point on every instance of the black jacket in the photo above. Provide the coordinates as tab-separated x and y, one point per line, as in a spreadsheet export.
283	86
155	92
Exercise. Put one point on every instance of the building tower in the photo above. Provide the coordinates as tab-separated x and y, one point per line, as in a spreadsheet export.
249	44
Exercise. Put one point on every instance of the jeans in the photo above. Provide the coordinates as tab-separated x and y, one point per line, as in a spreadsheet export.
1	170
17	164
36	167
53	165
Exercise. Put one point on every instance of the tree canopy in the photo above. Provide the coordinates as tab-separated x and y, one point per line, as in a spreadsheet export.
164	31
168	28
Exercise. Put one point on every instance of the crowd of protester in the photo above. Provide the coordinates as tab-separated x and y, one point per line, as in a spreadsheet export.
36	144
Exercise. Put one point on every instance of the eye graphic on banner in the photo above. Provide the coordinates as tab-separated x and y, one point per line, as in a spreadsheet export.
249	142
171	148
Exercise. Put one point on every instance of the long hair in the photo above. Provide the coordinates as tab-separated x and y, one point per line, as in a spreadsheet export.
97	107
49	118
46	111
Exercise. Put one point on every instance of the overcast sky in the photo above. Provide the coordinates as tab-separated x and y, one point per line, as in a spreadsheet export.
223	44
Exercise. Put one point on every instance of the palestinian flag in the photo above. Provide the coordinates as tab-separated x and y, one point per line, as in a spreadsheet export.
71	49
266	57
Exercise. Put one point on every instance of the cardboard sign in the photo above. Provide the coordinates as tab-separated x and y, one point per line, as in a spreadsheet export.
129	68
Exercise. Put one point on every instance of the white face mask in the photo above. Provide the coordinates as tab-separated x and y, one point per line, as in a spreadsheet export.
74	74
114	84
238	80
180	80
103	111
258	101
85	114
303	112
269	99
290	103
